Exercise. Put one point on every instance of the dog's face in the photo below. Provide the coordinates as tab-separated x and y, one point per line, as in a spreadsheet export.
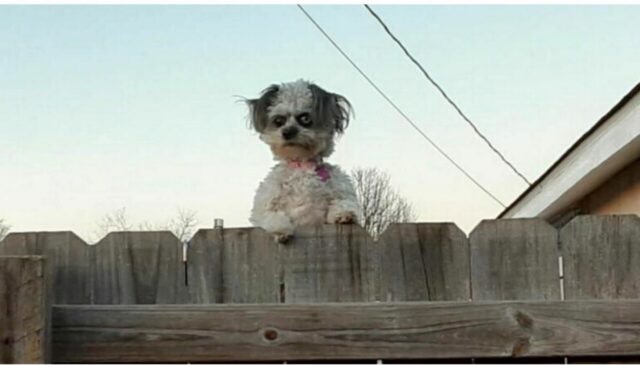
299	120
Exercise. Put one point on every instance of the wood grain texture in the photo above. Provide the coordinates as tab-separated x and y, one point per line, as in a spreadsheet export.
24	310
502	260
404	274
204	267
514	259
250	266
424	261
245	265
139	268
602	261
329	263
446	256
68	258
344	331
602	257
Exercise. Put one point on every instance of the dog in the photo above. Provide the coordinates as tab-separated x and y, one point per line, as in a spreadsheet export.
300	121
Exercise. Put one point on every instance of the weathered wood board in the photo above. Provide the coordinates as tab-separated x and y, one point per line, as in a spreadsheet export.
602	257
320	264
138	268
343	331
433	266
250	267
514	259
424	261
24	310
68	262
204	267
330	263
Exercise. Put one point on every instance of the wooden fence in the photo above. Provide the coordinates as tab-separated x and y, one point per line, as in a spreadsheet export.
422	291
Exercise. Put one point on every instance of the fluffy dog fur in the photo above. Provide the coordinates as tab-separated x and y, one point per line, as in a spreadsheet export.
299	121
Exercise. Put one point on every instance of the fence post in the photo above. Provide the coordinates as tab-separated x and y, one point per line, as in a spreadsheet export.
24	310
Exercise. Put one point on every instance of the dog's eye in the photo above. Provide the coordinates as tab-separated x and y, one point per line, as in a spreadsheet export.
279	121
304	119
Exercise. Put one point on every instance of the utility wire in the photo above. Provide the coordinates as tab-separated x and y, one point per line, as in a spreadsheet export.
444	94
442	152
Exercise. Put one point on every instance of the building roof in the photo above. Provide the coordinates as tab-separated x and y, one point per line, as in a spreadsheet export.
612	143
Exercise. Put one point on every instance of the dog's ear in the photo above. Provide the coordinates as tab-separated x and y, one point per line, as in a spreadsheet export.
258	113
331	108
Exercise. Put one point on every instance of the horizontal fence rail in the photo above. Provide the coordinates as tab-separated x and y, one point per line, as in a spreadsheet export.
210	333
590	258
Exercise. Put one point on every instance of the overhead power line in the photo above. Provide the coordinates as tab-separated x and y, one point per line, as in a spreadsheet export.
444	94
373	84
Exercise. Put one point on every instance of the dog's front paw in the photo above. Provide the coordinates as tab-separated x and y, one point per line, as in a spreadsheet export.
345	218
278	225
282	237
343	212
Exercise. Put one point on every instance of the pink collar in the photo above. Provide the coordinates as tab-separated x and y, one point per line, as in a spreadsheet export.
320	169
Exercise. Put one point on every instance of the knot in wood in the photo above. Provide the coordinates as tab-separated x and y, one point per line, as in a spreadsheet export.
520	347
524	320
270	334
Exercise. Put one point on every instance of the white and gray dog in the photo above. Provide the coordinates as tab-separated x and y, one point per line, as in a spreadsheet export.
299	121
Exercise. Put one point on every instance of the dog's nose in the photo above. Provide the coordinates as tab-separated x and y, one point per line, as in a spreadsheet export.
289	132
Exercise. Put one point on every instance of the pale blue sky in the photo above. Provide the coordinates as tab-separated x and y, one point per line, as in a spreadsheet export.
103	107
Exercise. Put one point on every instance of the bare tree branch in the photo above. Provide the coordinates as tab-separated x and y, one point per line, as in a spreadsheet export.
147	226
380	203
116	221
183	225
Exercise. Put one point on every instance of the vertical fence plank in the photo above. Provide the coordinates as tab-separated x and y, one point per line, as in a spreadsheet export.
329	263
139	268
601	257
446	255
601	260
250	266
204	266
514	259
402	265
68	258
245	265
24	310
424	261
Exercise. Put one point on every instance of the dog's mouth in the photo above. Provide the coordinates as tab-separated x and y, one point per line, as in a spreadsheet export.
296	144
294	151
